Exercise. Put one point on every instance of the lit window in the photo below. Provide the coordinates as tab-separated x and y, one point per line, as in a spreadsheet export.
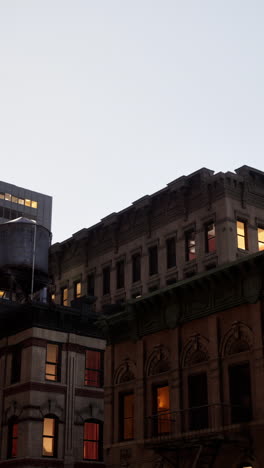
8	196
2	293
162	407
49	437
27	202
127	416
260	238
93	368
92	441
2	196
53	297
77	289
14	199
21	201
64	296
34	204
210	238
12	439
52	362
241	235
190	245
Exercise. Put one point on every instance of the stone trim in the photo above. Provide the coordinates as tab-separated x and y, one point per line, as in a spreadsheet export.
35	386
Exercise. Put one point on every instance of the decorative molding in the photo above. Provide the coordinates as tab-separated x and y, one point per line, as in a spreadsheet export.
195	351
239	338
125	372
158	361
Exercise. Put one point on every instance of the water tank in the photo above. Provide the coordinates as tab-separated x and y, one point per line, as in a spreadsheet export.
17	245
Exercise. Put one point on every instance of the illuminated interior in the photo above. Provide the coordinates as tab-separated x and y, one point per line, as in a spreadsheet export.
128	412
260	238
91	441
78	289
241	235
93	368
14	440
163	408
52	360
211	247
20	201
48	437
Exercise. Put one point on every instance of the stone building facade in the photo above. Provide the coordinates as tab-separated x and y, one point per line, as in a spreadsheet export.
51	386
184	373
196	223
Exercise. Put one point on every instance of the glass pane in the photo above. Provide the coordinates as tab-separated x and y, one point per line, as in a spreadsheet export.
52	352
15	430
21	201
91	450
261	235
2	196
14	199
211	245
78	289
241	242
49	427
34	204
240	228
93	360
129	406
211	230
192	255
261	245
51	371
128	429
14	448
8	196
48	447
27	202
92	378
91	431
163	399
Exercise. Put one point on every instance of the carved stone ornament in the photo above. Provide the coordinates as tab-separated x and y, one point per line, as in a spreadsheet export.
125	372
158	361
238	339
195	351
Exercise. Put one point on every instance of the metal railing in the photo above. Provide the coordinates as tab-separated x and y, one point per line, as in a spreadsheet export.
196	420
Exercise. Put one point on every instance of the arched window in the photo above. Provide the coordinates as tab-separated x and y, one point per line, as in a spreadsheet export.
93	440
12	438
50	436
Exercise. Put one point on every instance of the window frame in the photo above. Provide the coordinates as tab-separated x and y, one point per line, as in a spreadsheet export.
207	238
260	242
122	397
77	295
172	241
57	364
54	437
155	410
188	246
100	371
64	302
245	236
99	441
11	423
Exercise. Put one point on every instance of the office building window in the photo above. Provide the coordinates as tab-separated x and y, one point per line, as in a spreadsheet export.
16	365
260	238
93	441
162	417
64	296
153	260
127	416
77	289
93	368
241	235
190	245
90	284
49	437
12	438
52	362
210	245
136	267
120	274
106	280
171	252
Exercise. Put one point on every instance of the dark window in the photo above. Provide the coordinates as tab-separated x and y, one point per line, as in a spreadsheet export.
210	245
153	288
93	368
49	436
260	238
64	296
106	280
171	281
240	392
241	235
136	267
127	416
92	441
190	247
171	252
77	289
16	365
90	284
12	438
162	419
198	402
153	260
52	371
120	274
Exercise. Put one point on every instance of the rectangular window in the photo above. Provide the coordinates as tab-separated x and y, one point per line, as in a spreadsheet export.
27	202
92	441
2	196
162	421
90	284
210	245
93	368
21	201
16	365
136	267
241	235
12	439
260	238
52	362
171	252
106	280
8	196
190	245
153	260
198	401
48	438
34	204
127	416
77	290
64	296
14	199
120	274
240	393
